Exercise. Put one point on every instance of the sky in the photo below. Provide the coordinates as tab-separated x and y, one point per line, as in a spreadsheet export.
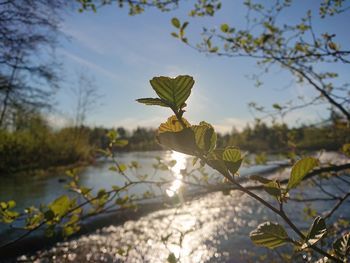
121	53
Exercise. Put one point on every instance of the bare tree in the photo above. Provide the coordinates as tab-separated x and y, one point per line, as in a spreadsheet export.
87	98
28	34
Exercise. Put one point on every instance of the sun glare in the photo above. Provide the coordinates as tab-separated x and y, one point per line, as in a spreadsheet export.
181	161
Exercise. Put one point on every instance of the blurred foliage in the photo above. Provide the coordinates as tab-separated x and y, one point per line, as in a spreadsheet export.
34	145
279	137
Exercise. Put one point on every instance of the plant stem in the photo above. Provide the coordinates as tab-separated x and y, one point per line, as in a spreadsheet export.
282	214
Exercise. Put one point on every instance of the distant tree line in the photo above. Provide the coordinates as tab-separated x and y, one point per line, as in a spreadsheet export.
32	144
279	137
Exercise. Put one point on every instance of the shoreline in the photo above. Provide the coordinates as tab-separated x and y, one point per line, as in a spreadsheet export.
50	170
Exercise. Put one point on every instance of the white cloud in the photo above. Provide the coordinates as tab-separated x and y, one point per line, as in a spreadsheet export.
58	121
227	124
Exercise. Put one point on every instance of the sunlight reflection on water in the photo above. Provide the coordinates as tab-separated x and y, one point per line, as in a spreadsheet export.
202	230
210	228
181	161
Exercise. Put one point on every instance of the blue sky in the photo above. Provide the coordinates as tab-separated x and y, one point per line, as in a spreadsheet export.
123	53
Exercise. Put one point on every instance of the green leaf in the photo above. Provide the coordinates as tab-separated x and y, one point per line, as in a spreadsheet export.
205	136
60	206
300	169
232	158
152	101
11	204
225	28
112	135
173	125
3	205
85	190
174	91
231	154
174	35
214	50
184	25
121	168
270	235
8	216
342	246
316	232
171	258
122	200
346	149
121	143
277	106
182	141
333	46
68	231
176	22
216	162
33	220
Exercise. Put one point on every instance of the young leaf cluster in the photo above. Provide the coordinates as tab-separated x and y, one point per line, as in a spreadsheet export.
200	141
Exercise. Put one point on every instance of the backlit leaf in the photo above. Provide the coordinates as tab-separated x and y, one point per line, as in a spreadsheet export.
174	35
121	168
316	232
174	91
300	169
205	136
173	125
225	28
152	101
342	246
231	154
346	149
176	22
121	142
180	141
270	235
216	162
232	158
333	46
60	206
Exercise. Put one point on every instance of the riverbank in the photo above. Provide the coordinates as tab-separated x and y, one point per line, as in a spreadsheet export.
53	170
